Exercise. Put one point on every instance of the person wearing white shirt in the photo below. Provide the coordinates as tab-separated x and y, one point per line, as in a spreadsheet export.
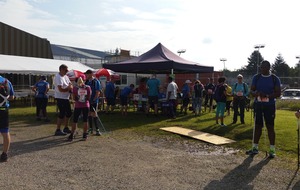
63	87
172	90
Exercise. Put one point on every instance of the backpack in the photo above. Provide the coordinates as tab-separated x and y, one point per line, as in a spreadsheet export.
198	89
218	95
4	91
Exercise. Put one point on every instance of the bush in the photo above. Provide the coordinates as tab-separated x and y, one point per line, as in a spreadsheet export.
292	105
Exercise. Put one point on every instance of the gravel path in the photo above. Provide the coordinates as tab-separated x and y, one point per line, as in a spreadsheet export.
38	160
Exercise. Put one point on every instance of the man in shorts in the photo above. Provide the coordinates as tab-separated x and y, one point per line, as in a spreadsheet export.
41	89
95	85
265	88
7	93
63	88
110	96
153	85
125	93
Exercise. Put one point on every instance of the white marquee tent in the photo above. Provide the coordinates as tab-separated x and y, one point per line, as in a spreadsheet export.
30	66
36	66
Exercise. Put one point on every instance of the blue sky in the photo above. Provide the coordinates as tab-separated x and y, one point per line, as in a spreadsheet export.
208	30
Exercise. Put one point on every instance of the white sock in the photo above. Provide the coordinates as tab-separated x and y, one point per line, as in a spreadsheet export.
255	146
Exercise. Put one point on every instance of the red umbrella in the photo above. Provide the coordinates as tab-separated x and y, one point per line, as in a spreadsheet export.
109	74
73	74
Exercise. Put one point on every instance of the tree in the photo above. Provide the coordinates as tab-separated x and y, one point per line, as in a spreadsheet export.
280	68
253	63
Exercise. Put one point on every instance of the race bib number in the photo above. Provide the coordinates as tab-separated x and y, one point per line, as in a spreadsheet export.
259	99
239	93
82	93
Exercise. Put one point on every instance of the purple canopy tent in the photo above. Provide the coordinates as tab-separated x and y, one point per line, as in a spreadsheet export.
158	60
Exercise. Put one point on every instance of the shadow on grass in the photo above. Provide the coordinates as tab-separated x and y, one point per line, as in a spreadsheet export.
218	130
240	177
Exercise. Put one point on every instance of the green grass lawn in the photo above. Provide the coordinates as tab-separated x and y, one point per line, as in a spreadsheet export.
138	125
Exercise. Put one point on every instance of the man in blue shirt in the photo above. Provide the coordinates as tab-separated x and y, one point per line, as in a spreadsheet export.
186	94
6	93
94	100
41	89
153	85
265	88
124	98
110	95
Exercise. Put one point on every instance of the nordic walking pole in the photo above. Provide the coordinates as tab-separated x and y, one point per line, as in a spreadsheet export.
254	127
252	114
265	134
298	143
99	119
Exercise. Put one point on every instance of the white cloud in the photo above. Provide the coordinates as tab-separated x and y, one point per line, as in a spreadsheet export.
208	30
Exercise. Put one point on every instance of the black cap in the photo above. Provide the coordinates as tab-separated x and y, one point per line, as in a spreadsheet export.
88	72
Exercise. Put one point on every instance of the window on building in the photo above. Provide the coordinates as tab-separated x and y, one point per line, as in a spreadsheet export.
122	81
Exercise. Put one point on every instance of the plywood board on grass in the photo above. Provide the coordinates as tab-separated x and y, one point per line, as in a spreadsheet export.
207	137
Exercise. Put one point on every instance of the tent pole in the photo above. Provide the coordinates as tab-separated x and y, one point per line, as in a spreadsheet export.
30	90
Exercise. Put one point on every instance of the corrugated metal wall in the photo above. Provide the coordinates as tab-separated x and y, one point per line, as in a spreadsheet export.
17	42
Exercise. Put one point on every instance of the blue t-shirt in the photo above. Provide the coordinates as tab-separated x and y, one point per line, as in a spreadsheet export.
239	87
10	89
126	91
95	86
41	89
266	84
185	91
110	90
153	87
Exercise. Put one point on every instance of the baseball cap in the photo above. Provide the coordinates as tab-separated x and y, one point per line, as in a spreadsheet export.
188	81
240	76
89	71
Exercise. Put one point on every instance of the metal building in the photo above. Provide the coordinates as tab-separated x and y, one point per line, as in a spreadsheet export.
14	41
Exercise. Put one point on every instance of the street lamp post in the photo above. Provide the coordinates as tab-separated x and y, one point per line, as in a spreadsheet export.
181	51
298	57
224	60
258	46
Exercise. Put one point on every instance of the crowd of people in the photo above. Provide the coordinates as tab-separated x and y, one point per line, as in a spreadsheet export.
85	93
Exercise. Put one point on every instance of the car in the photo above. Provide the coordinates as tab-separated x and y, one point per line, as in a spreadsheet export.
291	94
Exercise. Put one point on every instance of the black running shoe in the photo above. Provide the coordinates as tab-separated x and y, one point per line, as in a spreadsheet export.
58	132
71	137
84	136
252	151
3	157
67	130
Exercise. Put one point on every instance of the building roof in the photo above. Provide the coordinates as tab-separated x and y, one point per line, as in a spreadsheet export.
60	50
